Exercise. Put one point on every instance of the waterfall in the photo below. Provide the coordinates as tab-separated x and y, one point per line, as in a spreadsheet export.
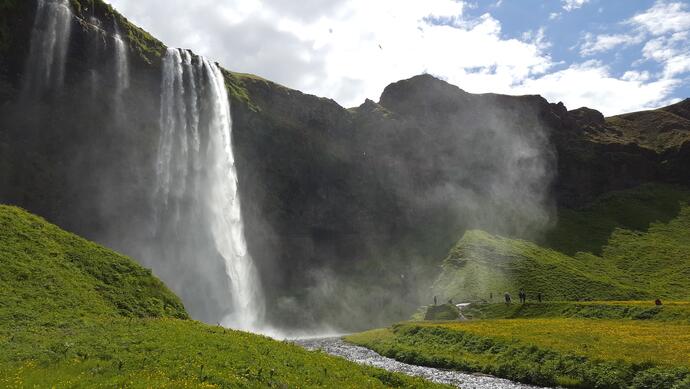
121	73
45	69
97	38
196	191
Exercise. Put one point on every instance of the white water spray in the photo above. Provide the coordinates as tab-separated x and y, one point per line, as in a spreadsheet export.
96	45
121	73
197	181
45	69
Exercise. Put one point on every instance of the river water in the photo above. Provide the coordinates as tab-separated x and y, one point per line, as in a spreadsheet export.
364	356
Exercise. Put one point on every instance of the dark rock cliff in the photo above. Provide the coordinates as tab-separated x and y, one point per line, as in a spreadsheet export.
364	193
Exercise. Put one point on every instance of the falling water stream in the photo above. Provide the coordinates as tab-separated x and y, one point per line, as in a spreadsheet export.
121	74
45	69
197	181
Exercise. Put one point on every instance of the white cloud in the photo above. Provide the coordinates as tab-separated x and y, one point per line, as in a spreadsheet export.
591	84
571	5
669	25
664	32
664	48
599	43
634	75
664	17
350	50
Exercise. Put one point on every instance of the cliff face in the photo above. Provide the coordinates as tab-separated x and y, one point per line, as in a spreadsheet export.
337	186
384	188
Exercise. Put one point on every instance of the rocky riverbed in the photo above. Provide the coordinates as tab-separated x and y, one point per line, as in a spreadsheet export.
337	347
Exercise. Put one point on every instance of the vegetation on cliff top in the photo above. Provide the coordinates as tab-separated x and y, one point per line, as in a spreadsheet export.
658	129
73	313
148	48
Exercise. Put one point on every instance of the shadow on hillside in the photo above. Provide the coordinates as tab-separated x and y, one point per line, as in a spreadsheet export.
589	229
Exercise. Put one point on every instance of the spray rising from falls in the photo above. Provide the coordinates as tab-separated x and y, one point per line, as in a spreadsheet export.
196	193
97	38
49	43
121	73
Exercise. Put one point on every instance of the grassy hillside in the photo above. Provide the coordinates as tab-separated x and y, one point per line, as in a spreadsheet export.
49	275
577	353
628	245
658	129
74	314
634	310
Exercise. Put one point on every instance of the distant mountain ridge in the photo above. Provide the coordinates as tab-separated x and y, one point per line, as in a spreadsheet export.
660	129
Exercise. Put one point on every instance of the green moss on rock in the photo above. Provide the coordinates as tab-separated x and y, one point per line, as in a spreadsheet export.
5	37
237	90
442	312
148	48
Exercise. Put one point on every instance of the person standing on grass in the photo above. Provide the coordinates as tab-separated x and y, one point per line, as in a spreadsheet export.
523	296
539	296
507	297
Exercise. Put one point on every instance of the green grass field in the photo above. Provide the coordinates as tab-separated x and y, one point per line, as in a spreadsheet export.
670	311
569	352
629	245
74	314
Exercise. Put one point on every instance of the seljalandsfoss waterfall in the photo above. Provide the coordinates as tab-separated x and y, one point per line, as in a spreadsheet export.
196	191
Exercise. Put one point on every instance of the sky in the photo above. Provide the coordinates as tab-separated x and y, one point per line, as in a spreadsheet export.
616	56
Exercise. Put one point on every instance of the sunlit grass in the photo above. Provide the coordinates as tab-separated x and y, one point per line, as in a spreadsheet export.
75	314
662	343
628	245
548	351
165	352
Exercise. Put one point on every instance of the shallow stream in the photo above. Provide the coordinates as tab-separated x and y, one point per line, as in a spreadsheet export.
337	347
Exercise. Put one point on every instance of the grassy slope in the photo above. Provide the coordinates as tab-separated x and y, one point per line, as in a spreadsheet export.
633	244
548	351
637	310
51	276
659	129
627	245
73	313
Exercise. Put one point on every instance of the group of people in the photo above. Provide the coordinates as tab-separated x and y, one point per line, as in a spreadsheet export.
522	295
